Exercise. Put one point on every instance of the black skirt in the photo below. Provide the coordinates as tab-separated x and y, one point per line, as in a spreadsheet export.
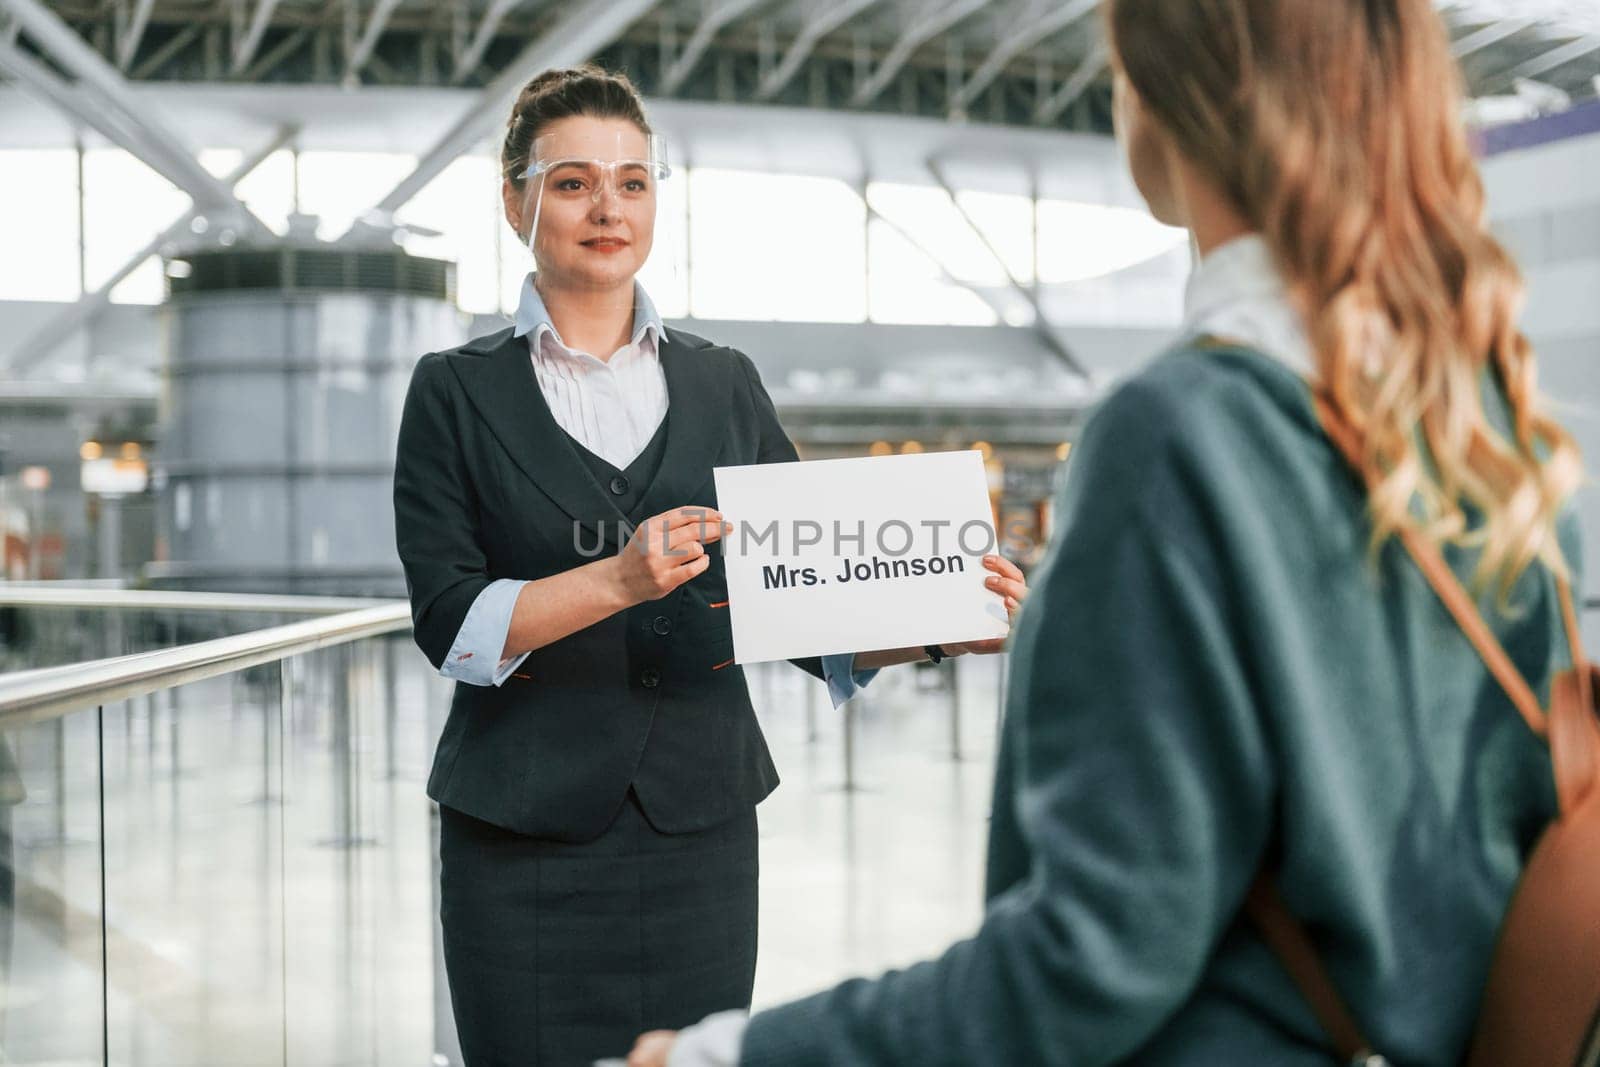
559	954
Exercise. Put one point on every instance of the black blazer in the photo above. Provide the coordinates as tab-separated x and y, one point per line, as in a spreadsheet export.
487	485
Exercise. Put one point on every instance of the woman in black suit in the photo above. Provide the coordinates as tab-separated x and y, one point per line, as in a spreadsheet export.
598	774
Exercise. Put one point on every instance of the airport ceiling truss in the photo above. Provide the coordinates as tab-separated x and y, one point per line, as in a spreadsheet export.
1033	63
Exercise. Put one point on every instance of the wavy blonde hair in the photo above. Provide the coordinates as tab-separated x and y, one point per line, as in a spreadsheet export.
1334	128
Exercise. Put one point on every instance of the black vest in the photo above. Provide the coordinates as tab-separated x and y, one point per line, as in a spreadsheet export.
626	485
488	485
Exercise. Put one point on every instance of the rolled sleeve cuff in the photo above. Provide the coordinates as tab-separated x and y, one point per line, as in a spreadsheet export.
712	1042
843	679
474	658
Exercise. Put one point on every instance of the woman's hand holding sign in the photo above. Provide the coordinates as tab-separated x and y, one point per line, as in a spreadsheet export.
1009	584
667	550
1006	582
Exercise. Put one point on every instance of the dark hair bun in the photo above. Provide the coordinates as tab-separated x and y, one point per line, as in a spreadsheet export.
562	93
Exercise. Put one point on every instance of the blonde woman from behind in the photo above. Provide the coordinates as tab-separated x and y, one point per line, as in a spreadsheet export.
1229	663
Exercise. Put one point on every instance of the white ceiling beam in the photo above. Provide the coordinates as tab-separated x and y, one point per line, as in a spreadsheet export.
711	23
131	34
166	50
473	53
1042	325
582	31
376	22
36	77
821	23
1054	18
92	112
1077	83
99	84
1547	61
244	50
906	234
1489	36
264	62
915	35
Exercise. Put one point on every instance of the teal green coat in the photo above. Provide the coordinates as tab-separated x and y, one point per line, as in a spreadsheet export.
1212	672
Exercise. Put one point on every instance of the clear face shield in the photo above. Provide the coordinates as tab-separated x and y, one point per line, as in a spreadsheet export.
591	195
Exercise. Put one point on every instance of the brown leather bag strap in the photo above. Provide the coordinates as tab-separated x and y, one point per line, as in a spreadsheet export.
1571	728
1455	598
1448	587
1569	616
1574	729
1288	940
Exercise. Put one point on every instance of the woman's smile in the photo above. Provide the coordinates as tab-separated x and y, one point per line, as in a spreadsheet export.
605	244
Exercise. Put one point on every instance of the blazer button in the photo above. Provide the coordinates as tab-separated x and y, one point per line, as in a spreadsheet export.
662	625
619	485
650	677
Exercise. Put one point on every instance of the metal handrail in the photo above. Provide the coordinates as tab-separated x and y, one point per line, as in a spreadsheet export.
52	692
48	595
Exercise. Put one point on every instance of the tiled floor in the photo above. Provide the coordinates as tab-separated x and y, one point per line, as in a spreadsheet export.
254	918
856	881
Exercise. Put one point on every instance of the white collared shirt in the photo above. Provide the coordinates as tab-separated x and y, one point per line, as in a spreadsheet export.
1236	292
610	406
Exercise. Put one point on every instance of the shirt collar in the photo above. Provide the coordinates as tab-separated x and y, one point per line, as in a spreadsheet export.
533	317
1237	293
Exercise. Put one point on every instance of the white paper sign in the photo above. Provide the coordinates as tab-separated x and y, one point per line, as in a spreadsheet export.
852	555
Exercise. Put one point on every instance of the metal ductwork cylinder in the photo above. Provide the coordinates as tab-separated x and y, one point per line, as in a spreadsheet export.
285	373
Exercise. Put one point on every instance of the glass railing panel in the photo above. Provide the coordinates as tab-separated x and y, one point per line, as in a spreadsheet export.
51	963
360	898
234	871
194	874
